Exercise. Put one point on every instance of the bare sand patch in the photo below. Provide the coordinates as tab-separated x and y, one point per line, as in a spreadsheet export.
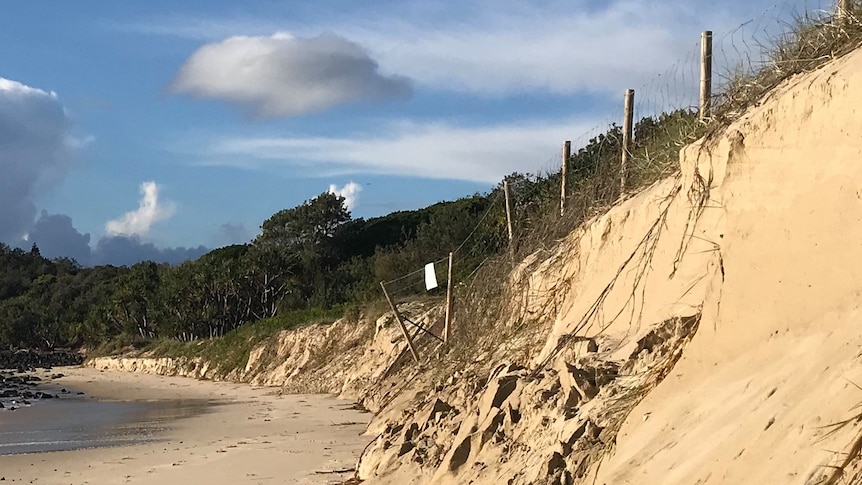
253	435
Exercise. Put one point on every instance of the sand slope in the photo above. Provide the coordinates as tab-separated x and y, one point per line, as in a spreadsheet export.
778	348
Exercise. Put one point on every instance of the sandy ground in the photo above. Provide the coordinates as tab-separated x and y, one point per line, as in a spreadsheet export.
255	437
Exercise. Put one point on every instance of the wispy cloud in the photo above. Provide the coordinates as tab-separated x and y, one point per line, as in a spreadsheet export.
149	211
199	28
350	192
496	48
527	49
282	75
438	151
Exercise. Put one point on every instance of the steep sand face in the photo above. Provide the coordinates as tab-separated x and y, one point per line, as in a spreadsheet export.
759	237
773	362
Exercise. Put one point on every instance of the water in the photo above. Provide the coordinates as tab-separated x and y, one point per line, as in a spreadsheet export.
75	421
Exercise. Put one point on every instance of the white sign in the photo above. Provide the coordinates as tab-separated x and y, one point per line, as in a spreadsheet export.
430	277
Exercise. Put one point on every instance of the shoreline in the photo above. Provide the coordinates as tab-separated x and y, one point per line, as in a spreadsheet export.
247	435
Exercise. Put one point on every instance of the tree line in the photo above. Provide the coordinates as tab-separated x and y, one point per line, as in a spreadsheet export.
314	255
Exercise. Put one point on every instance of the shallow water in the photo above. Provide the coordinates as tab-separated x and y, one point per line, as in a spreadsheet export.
74	422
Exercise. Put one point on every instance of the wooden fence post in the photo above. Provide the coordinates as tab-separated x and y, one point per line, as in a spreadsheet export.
844	11
400	323
508	210
628	127
705	75
448	301
567	153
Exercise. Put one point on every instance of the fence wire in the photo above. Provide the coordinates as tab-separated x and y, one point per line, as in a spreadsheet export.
747	60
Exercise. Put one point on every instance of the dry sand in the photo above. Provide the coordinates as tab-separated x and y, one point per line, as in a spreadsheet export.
256	436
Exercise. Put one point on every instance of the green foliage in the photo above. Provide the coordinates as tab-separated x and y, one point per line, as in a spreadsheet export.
313	256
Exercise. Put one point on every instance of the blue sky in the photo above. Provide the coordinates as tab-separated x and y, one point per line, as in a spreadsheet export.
186	124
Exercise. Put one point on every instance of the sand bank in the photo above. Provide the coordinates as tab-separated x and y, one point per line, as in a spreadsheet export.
253	436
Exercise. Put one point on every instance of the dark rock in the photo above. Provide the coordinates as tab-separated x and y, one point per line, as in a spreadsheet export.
28	360
405	448
556	462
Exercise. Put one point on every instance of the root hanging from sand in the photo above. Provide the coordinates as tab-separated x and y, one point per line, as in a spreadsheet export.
645	248
852	454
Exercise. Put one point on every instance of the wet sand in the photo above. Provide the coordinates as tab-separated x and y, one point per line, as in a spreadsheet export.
224	433
70	423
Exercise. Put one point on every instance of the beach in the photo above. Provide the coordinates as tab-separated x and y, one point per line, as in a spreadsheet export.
223	433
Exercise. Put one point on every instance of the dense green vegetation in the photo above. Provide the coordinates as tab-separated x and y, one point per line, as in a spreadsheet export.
306	258
311	256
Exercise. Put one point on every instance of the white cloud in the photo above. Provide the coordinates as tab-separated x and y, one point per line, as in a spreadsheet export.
504	47
36	149
149	212
350	192
283	75
560	49
438	151
21	91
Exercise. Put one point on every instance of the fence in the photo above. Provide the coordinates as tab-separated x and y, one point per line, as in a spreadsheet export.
719	77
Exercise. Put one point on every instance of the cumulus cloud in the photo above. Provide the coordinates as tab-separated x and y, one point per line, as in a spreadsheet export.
282	75
36	146
439	151
350	192
149	212
57	237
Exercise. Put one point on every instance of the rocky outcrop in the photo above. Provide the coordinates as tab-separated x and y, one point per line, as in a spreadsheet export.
28	360
19	390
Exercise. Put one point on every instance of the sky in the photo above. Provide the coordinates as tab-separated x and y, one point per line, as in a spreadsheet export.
161	129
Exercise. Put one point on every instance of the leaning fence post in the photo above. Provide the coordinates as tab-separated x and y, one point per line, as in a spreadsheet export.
567	153
705	110
448	301
508	210
628	127
400	323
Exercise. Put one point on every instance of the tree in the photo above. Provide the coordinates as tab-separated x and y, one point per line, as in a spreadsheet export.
310	224
305	234
133	305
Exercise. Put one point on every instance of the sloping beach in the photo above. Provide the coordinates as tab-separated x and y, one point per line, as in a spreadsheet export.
247	435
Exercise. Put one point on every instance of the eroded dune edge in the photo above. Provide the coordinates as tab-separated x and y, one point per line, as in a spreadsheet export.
704	330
